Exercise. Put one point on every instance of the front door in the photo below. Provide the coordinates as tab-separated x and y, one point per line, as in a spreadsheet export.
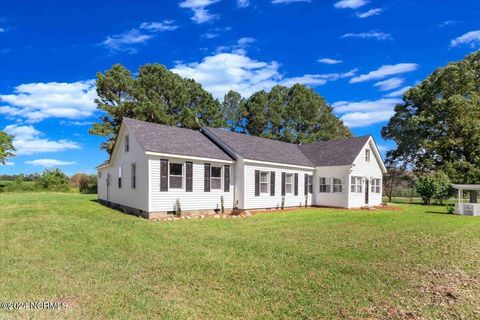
367	188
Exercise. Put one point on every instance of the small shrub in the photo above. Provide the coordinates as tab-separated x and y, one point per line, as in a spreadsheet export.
178	208
450	209
283	203
443	187
426	187
53	180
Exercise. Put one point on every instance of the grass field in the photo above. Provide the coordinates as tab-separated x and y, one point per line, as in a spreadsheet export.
412	263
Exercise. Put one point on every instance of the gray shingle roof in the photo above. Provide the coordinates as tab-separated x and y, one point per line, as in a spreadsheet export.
173	140
256	148
335	152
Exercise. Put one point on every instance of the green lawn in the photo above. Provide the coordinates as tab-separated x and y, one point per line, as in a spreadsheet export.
312	263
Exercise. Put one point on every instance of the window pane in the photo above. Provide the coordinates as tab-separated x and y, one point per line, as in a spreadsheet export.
264	187
216	183
175	182
289	178
176	169
263	176
216	172
288	188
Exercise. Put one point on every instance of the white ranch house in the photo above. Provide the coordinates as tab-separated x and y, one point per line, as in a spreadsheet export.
153	166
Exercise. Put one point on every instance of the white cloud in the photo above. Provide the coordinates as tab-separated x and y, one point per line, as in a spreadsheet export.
9	163
397	93
38	101
288	1
471	38
385	71
127	41
165	25
226	71
369	13
350	4
389	84
366	112
239	48
369	35
210	35
2	30
243	3
329	61
200	13
48	163
448	23
27	141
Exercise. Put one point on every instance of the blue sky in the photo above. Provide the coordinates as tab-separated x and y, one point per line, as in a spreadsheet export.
360	55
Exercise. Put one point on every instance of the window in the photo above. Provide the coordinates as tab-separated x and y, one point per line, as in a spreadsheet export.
375	186
367	155
337	185
216	178
119	177
127	143
324	185
356	184
176	175
289	183
134	176
310	184
99	174
264	181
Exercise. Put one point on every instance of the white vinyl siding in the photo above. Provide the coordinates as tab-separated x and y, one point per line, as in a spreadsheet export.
134	198
265	200
197	199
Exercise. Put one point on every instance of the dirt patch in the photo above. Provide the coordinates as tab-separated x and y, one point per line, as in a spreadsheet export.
388	311
290	209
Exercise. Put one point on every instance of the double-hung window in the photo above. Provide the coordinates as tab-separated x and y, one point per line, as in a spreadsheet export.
324	185
289	183
375	186
356	184
310	184
264	181
216	177
337	185
367	155
176	175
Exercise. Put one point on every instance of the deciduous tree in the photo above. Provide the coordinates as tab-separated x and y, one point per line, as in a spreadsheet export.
437	127
6	147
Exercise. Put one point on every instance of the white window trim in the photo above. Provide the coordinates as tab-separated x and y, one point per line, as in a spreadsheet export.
291	183
267	182
183	175
211	177
342	184
327	184
357	179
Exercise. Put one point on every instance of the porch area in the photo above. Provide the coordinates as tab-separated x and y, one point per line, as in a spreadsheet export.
470	206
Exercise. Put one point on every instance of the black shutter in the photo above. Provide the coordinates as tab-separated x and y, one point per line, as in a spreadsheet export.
226	178
296	184
272	183
206	180
163	175
188	176
283	183
306	184
257	183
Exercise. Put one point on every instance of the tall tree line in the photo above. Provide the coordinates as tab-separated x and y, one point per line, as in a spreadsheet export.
294	114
